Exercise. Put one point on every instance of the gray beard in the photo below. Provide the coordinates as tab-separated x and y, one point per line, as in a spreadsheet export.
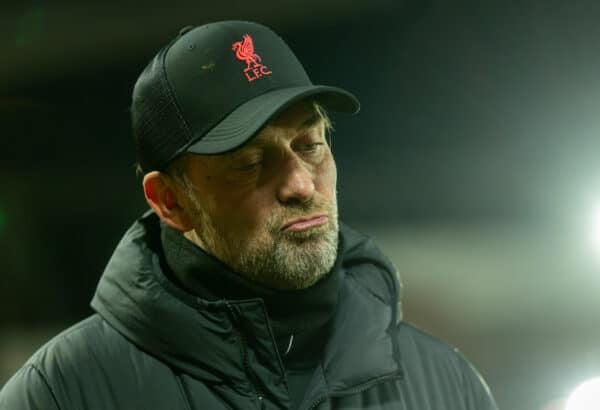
291	262
287	260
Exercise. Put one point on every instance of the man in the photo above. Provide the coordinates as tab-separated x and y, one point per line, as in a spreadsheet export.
240	289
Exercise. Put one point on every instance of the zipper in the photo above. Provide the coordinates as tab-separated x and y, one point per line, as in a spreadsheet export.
358	389
251	376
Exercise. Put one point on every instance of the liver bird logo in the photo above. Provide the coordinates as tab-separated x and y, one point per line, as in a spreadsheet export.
244	51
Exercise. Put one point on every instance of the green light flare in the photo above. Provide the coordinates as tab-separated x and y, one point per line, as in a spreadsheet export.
30	26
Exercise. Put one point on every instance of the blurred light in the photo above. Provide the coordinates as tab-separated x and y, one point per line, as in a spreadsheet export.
586	396
30	26
596	229
558	404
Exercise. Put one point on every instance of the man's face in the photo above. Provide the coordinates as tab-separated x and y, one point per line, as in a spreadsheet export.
269	209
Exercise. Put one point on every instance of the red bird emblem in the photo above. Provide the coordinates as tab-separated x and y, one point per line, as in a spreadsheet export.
244	51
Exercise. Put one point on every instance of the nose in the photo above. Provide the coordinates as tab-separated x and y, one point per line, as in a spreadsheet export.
296	182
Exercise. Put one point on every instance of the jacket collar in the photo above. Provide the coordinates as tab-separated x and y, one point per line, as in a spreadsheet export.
201	337
290	312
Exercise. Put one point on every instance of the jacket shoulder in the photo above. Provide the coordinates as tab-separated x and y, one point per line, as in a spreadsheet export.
28	389
435	368
32	386
89	364
73	345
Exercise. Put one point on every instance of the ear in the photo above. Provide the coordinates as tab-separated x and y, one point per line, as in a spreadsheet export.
162	197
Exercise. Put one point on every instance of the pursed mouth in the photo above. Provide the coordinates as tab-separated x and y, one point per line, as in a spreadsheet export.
305	223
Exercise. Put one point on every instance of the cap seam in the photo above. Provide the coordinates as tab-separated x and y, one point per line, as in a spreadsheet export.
190	134
172	97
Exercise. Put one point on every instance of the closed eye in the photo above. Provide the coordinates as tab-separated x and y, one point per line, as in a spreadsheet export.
312	147
248	167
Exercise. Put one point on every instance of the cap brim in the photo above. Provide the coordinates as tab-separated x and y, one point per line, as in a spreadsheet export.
247	119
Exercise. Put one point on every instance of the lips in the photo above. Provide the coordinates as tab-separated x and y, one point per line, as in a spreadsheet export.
302	224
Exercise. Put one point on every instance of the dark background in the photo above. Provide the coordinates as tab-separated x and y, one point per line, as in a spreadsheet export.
474	163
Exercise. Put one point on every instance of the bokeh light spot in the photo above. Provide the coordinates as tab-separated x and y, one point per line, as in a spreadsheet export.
586	396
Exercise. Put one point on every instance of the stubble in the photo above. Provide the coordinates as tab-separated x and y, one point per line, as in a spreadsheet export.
273	257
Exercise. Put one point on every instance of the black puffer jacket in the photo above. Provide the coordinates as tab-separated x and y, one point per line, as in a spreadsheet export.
152	345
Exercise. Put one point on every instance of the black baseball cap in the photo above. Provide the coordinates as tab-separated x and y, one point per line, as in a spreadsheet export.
214	87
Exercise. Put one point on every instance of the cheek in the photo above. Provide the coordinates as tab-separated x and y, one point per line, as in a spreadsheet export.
234	205
326	178
245	212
